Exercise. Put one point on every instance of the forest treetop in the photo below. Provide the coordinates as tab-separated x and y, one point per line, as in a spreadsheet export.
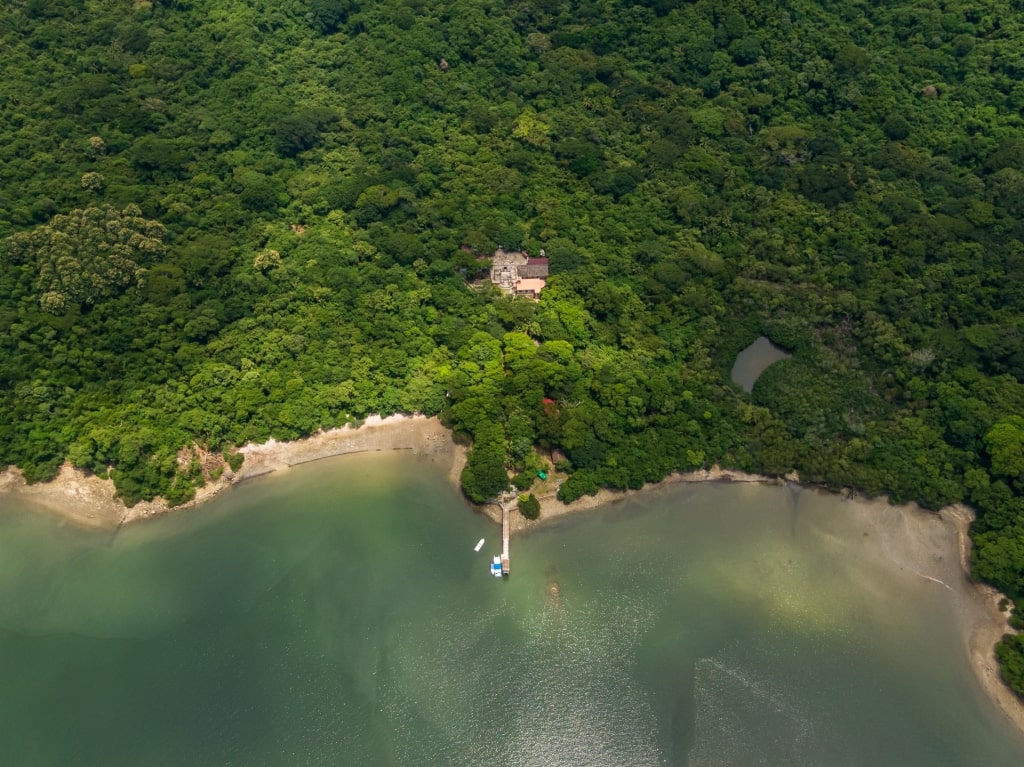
224	221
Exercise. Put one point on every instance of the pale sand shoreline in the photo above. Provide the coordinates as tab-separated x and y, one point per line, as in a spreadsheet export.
551	508
89	501
982	635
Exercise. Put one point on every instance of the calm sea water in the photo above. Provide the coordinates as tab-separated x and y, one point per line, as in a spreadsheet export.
336	614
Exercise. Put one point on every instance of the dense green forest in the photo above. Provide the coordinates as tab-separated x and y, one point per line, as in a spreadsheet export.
223	221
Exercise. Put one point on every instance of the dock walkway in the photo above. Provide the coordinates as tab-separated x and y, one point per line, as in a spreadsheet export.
504	538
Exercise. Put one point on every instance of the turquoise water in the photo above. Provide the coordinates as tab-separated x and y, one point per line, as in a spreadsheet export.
336	614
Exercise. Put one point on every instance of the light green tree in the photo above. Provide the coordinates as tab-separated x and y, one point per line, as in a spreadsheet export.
86	255
1005	444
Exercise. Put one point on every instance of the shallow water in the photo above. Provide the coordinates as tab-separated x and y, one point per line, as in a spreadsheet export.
337	614
754	360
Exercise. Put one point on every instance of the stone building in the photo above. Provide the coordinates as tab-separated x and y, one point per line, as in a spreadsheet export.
517	274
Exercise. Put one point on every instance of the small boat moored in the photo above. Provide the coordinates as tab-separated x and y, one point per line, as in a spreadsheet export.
496	567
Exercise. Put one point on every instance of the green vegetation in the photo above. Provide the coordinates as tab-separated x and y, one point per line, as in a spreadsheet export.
1010	653
224	221
529	506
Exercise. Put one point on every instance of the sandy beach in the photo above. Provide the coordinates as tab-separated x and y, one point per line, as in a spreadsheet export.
551	508
984	622
89	501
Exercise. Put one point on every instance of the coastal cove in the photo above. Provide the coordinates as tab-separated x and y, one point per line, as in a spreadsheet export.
338	610
89	502
580	239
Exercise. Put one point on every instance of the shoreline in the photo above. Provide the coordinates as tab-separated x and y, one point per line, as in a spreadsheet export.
551	508
89	501
980	635
85	500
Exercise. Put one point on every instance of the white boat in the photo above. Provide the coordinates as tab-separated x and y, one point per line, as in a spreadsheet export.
479	545
496	567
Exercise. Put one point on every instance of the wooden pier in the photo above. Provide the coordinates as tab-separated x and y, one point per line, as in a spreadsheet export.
504	539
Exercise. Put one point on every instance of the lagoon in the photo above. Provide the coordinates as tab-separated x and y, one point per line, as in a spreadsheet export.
336	613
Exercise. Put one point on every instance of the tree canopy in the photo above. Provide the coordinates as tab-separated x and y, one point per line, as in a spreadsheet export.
223	221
